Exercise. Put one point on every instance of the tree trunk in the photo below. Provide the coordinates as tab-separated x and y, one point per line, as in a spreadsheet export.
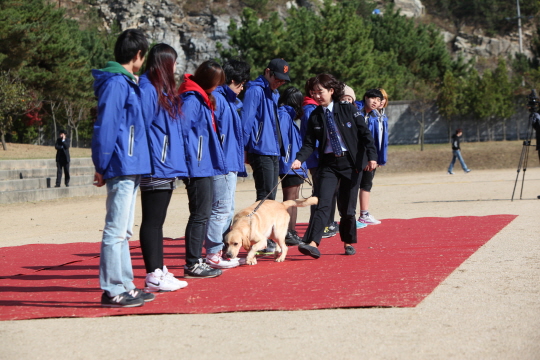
422	124
4	146
504	129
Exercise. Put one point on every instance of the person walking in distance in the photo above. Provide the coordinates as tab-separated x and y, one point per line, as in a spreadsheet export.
456	153
62	158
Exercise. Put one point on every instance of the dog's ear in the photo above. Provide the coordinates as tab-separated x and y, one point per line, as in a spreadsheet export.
246	238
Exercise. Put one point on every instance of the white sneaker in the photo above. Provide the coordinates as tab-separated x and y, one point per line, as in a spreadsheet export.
215	261
170	276
159	281
367	218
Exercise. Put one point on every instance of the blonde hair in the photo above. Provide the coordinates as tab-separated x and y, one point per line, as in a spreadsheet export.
385	95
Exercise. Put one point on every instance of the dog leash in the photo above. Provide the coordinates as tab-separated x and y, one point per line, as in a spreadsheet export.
306	179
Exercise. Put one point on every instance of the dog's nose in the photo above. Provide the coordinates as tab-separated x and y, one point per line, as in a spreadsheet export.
228	255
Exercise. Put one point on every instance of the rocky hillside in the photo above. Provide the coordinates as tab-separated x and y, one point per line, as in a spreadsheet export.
194	27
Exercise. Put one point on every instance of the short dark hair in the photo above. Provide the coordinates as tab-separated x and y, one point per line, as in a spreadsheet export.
459	131
128	44
328	82
62	132
237	71
294	98
374	93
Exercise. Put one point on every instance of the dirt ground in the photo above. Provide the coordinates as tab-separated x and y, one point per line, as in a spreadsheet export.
488	308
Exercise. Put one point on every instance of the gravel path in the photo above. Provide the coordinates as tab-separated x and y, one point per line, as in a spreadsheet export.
488	308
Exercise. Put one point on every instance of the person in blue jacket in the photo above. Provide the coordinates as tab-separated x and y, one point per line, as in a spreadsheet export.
205	159
229	128
162	109
372	109
262	134
121	155
290	110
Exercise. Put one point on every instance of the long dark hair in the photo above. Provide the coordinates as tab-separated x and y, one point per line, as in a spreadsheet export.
294	98
328	82
160	68
208	75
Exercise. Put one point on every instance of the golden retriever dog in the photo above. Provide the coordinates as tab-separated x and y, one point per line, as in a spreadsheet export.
251	230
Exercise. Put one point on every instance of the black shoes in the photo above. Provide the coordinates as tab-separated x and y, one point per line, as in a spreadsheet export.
331	230
200	270
309	250
292	238
349	250
122	300
140	294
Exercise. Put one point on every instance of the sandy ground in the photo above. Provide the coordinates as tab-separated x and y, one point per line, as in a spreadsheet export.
488	308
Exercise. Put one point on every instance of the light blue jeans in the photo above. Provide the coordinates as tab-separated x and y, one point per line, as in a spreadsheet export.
115	270
222	212
457	155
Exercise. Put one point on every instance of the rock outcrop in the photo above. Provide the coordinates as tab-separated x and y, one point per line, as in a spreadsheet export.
410	8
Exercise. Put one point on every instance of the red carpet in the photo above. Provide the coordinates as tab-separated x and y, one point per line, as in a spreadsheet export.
397	264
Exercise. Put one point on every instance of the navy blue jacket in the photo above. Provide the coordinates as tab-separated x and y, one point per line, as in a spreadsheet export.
230	129
119	143
165	133
259	118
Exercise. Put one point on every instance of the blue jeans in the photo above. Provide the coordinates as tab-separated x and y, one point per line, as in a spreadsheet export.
457	155
115	270
222	212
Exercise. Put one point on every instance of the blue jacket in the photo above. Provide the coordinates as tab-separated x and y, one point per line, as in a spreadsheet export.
230	129
373	125
204	154
120	143
292	142
165	133
313	159
259	118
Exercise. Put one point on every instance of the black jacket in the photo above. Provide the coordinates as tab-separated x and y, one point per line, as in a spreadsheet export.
62	151
353	129
455	142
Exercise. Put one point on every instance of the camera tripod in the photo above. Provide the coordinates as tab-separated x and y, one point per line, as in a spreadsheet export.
524	158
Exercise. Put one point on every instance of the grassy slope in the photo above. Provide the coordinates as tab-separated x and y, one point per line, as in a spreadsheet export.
402	158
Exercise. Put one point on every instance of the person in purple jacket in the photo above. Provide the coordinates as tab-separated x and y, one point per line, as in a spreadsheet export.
121	155
162	104
230	132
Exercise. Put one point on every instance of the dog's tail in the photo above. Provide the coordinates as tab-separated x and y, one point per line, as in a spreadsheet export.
301	203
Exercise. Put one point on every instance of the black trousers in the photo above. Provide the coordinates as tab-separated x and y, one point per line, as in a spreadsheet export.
335	172
313	172
200	193
265	173
154	211
59	167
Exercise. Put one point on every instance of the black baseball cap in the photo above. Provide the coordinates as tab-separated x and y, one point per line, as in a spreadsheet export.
280	69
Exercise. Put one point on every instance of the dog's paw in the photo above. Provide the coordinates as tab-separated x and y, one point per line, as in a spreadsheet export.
251	261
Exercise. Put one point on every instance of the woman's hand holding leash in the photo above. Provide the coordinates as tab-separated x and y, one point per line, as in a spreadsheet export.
296	165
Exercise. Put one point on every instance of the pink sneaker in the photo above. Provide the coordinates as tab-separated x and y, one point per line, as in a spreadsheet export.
217	262
368	219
